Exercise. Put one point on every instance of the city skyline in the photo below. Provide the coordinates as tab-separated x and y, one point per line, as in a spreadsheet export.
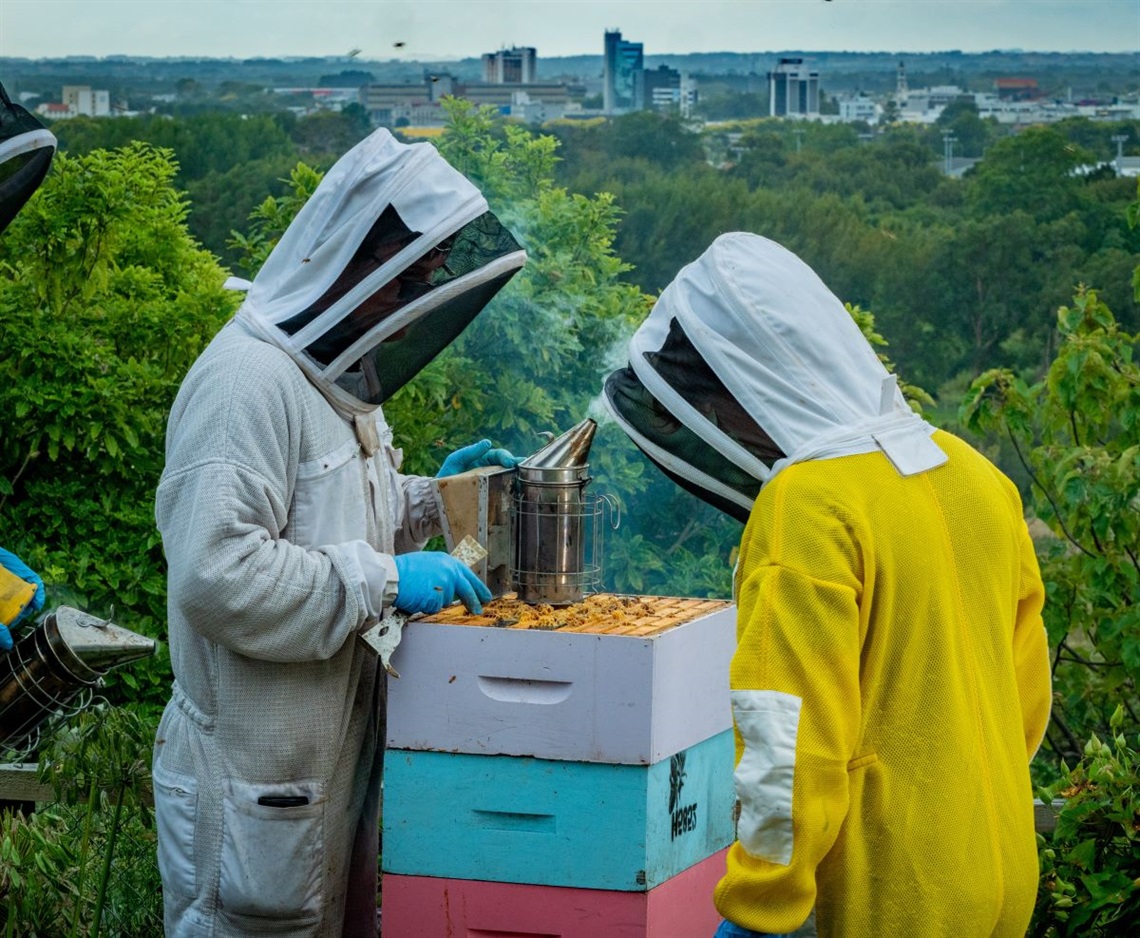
452	29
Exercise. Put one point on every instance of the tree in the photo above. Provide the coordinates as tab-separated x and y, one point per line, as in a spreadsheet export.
1033	171
999	275
1078	435
327	134
971	133
105	300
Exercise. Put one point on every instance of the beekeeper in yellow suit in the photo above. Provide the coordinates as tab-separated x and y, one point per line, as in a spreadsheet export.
891	681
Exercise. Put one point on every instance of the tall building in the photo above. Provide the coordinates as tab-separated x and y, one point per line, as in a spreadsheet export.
793	90
623	60
657	87
664	89
514	66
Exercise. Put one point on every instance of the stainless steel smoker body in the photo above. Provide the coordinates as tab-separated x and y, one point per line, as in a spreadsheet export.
541	529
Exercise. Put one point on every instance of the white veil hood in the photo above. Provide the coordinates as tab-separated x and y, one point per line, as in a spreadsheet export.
288	303
785	352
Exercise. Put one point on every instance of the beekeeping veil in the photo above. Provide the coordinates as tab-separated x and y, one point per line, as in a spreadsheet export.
748	364
386	263
26	149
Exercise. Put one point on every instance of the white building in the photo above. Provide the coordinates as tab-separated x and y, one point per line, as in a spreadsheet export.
514	66
793	90
860	107
86	101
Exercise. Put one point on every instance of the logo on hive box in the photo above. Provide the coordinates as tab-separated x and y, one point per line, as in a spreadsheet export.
682	818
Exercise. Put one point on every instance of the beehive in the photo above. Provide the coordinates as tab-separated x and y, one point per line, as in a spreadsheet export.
550	822
620	680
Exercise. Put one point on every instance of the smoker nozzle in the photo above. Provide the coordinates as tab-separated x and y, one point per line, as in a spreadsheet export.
571	450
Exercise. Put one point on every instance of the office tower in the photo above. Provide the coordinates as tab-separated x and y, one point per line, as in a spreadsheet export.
623	60
514	66
793	90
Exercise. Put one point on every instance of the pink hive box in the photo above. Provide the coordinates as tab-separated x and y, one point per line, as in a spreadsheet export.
429	907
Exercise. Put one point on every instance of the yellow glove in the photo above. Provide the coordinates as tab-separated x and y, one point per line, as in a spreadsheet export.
16	595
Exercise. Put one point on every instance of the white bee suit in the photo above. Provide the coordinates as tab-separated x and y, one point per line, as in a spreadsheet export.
280	507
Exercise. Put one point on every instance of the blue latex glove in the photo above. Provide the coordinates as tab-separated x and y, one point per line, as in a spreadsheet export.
15	565
431	579
729	929
474	456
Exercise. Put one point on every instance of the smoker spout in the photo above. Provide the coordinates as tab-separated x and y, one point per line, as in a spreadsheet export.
571	450
98	643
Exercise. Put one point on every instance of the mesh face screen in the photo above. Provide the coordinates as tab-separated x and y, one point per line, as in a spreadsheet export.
398	359
475	245
687	373
20	175
733	510
648	417
19	178
386	238
393	363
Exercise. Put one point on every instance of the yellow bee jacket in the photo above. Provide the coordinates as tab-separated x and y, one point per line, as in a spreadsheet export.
891	681
890	687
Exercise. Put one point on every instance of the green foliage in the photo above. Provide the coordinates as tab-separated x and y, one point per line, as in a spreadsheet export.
227	162
268	221
87	862
865	320
105	300
971	133
1078	434
646	137
201	144
1032	171
952	267
1090	866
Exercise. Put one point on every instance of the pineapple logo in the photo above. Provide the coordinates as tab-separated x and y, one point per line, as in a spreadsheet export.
682	819
676	779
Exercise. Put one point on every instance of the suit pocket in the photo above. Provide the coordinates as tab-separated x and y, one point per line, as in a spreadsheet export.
175	813
330	499
272	851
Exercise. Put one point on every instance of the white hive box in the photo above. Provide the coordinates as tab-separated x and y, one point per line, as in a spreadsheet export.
626	693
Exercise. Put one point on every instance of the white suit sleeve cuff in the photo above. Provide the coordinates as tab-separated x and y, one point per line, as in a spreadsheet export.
378	581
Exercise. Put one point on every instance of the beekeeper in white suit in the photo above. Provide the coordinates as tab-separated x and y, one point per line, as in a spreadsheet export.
289	530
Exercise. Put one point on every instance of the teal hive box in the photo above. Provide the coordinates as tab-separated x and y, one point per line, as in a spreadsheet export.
556	823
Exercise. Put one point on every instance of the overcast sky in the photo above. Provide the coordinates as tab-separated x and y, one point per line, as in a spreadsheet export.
465	28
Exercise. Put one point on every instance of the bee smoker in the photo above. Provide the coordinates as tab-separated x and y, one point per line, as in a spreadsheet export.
67	653
556	524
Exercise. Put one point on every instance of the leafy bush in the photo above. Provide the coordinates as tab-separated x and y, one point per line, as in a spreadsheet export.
1078	434
1090	867
105	300
86	862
